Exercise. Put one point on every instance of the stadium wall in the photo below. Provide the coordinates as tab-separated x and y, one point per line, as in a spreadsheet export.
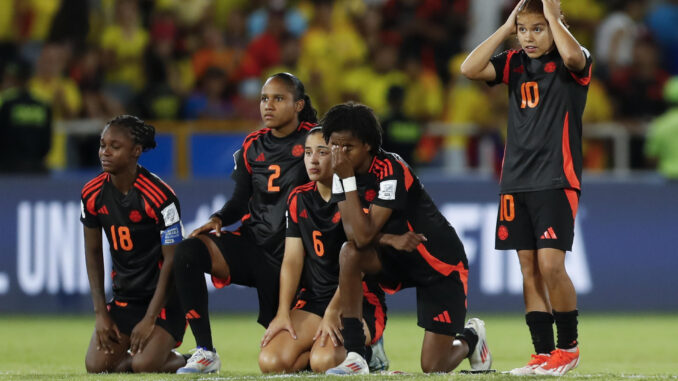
624	256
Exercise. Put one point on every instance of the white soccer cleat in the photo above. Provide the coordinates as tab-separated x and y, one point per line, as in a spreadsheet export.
535	362
353	364
480	359
379	361
202	361
561	362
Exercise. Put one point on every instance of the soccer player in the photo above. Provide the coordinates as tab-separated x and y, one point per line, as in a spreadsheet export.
311	261
540	183
267	167
140	214
435	263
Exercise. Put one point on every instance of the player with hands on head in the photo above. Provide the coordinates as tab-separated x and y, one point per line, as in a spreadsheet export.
268	166
140	216
547	80
396	233
306	329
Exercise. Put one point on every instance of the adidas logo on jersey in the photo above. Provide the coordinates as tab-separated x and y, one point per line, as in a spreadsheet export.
103	210
261	157
443	317
303	214
549	234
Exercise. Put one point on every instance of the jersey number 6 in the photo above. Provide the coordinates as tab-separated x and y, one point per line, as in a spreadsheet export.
318	244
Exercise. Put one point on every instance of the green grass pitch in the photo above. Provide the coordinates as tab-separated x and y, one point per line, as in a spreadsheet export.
614	346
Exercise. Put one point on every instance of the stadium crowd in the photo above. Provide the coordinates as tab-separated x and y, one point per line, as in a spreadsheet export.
206	59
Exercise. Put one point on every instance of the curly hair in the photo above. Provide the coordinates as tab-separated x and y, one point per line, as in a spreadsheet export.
357	119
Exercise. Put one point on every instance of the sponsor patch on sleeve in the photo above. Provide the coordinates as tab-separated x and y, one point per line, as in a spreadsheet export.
387	190
173	234
170	214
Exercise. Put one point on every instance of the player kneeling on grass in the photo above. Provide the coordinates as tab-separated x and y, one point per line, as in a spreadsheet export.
548	81
428	254
140	215
315	235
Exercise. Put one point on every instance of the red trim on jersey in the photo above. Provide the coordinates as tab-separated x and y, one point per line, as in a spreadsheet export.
584	81
245	217
306	126
221	282
507	66
379	316
440	266
248	142
381	168
568	166
409	179
503	157
90	202
149	211
311	185
94	183
166	185
573	198
391	291
293	209
147	193
162	196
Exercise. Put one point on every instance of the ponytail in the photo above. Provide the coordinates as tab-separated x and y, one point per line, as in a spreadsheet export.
308	113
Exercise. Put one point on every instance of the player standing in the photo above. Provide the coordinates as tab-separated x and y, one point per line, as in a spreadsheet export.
399	207
140	215
540	184
267	167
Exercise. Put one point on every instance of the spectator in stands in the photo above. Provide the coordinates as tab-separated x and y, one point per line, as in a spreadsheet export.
424	91
89	74
662	22
263	52
209	102
214	52
53	87
401	132
662	137
25	124
295	22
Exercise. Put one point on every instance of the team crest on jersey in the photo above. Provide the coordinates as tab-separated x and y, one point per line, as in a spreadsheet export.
297	150
550	67
370	194
135	216
336	217
502	232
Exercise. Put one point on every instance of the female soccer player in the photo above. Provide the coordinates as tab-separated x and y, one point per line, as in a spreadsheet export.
540	184
267	167
140	215
314	238
435	264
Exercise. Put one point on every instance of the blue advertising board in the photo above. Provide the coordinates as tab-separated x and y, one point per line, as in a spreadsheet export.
624	256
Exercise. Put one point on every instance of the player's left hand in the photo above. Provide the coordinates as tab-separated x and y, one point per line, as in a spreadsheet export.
341	163
551	10
407	242
140	335
330	327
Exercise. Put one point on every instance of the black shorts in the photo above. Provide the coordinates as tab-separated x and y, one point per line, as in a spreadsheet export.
441	295
374	306
127	315
537	220
250	266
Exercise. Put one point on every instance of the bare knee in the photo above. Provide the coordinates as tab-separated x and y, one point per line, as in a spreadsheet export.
94	366
142	364
274	362
433	364
324	360
552	271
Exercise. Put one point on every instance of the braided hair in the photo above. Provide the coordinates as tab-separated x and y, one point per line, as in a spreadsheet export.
142	133
308	113
356	118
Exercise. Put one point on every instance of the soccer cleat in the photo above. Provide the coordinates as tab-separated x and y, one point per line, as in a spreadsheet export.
535	362
353	364
480	359
379	361
202	361
561	362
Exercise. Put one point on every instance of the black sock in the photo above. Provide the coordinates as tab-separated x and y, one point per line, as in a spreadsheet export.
541	330
354	337
566	324
191	262
470	336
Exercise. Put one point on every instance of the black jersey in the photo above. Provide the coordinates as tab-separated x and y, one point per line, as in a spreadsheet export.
133	224
271	167
318	224
546	103
390	183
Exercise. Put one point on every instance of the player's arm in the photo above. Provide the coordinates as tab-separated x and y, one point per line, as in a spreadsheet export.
477	65
403	242
567	45
330	326
364	228
106	331
290	274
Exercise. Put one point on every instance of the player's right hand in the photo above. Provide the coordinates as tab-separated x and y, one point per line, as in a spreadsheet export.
330	327
107	333
511	21
213	224
281	322
408	241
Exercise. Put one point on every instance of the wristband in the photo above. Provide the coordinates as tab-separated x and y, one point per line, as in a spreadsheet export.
349	184
337	188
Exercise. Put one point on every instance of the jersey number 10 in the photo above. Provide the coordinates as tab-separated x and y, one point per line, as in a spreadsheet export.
530	94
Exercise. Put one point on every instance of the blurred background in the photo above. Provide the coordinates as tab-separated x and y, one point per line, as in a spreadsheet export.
194	69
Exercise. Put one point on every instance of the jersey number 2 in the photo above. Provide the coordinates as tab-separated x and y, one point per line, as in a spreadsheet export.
530	94
121	239
276	173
